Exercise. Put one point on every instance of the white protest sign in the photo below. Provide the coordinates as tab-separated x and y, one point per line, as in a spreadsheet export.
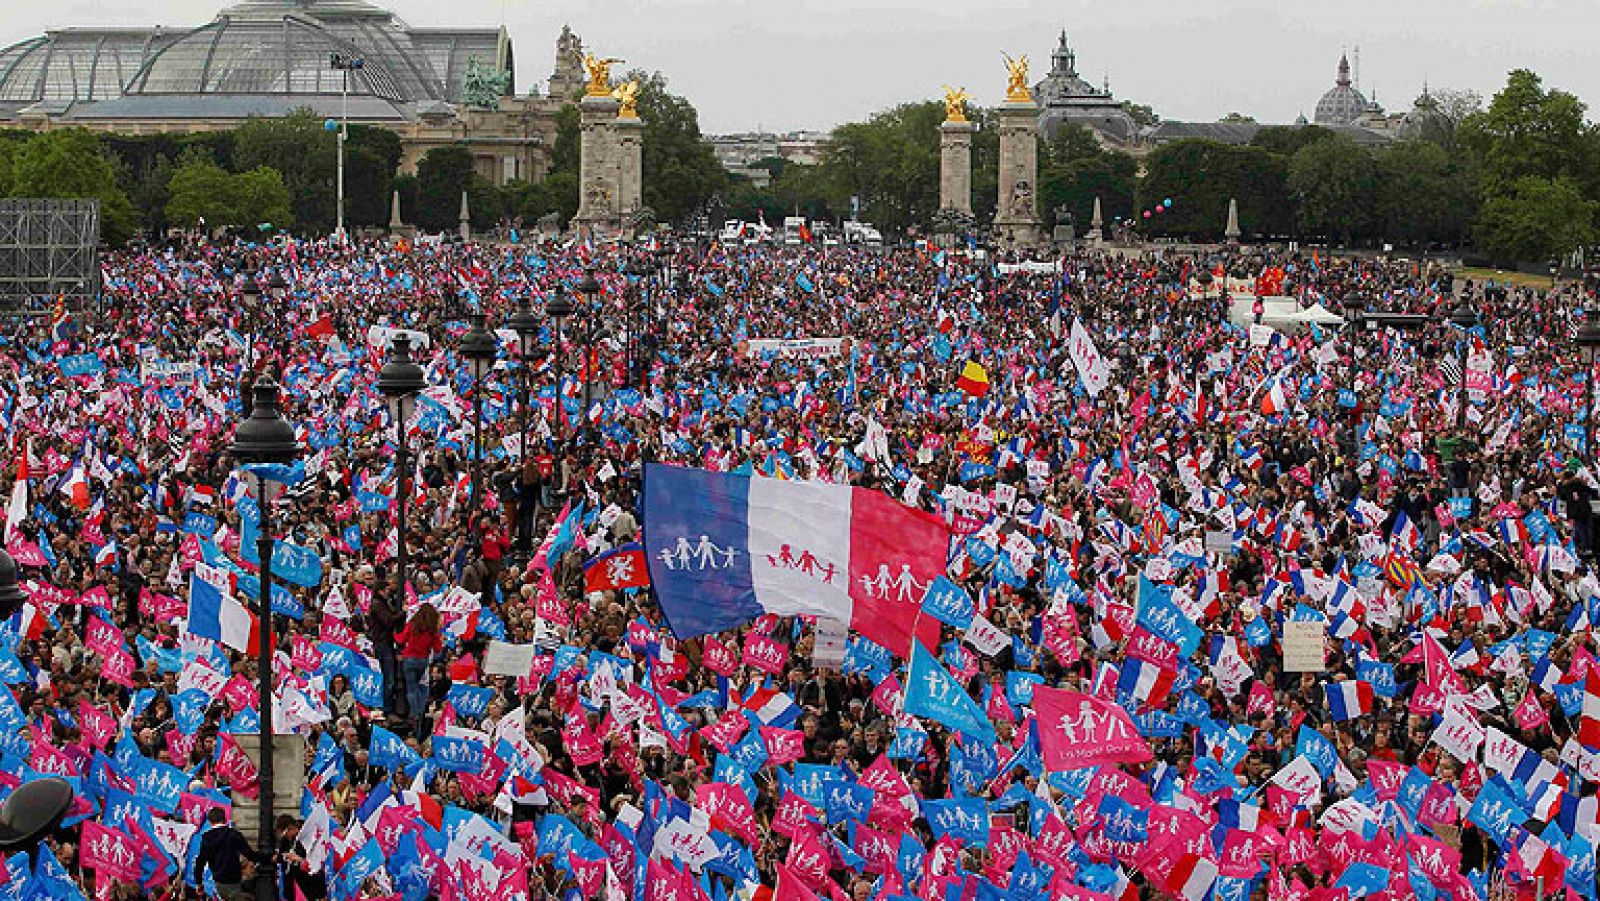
504	659
828	645
1302	647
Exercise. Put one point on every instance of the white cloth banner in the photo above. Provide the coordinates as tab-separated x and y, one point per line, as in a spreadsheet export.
381	336
1091	366
807	348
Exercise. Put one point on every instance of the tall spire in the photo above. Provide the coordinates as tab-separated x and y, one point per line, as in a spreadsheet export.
1343	80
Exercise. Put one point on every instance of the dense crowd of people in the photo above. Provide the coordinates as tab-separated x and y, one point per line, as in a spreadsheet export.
1337	576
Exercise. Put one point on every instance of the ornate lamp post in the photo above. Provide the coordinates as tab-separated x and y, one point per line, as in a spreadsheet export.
1588	341
479	347
525	322
400	381
1462	317
558	308
637	302
250	302
265	437
590	290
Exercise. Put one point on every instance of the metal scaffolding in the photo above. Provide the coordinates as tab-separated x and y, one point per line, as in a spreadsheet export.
49	248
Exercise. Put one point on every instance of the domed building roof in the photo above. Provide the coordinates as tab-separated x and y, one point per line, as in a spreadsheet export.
1342	104
1425	120
256	58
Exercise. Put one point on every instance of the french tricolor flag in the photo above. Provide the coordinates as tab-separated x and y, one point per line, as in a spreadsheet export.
214	613
1144	682
1192	877
725	548
1350	699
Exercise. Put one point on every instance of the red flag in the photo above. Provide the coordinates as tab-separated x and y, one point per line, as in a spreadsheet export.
322	328
622	567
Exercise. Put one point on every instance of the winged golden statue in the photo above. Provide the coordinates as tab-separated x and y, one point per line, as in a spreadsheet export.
1017	79
599	71
628	94
955	104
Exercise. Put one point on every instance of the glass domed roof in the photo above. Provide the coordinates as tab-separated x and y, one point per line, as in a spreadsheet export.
283	47
1342	104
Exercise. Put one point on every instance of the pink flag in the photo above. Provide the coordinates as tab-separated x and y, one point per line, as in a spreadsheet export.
1077	730
1530	713
109	853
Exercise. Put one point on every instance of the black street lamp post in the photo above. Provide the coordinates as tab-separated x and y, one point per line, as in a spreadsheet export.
590	290
1462	317
265	437
1588	341
557	309
479	347
400	381
525	322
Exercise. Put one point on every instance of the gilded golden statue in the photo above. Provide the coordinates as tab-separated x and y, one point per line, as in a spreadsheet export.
599	71
627	94
955	104
1017	79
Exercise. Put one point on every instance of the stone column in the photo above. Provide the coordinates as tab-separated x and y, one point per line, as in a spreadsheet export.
630	177
598	196
955	166
1016	216
465	219
1231	232
1096	234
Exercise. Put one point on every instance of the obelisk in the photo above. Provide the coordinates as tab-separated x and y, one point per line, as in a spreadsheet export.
465	219
1096	235
955	155
598	197
1231	232
1016	216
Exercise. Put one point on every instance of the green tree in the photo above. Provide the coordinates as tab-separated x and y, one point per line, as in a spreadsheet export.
261	197
442	175
1285	139
1423	195
1333	185
306	154
891	162
1200	176
70	163
1074	169
199	189
564	153
1536	219
371	157
680	171
1530	131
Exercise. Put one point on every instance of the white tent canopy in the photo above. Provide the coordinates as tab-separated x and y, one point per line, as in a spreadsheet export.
1281	313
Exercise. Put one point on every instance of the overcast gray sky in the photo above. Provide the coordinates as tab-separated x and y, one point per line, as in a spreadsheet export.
811	64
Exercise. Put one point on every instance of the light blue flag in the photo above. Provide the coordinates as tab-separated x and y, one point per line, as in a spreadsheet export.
933	693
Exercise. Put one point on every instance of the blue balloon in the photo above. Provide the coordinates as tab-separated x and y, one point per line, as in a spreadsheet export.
1167	202
330	125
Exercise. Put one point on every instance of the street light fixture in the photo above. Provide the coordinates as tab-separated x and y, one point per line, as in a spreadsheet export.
558	308
11	595
525	322
638	301
1462	317
400	381
343	63
479	347
265	438
1588	341
32	812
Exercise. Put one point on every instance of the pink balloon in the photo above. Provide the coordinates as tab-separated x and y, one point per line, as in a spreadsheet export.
1147	214
1161	209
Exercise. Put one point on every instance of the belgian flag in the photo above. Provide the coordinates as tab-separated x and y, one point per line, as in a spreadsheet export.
974	380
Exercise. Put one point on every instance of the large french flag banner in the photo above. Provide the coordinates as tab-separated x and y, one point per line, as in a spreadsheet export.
724	548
